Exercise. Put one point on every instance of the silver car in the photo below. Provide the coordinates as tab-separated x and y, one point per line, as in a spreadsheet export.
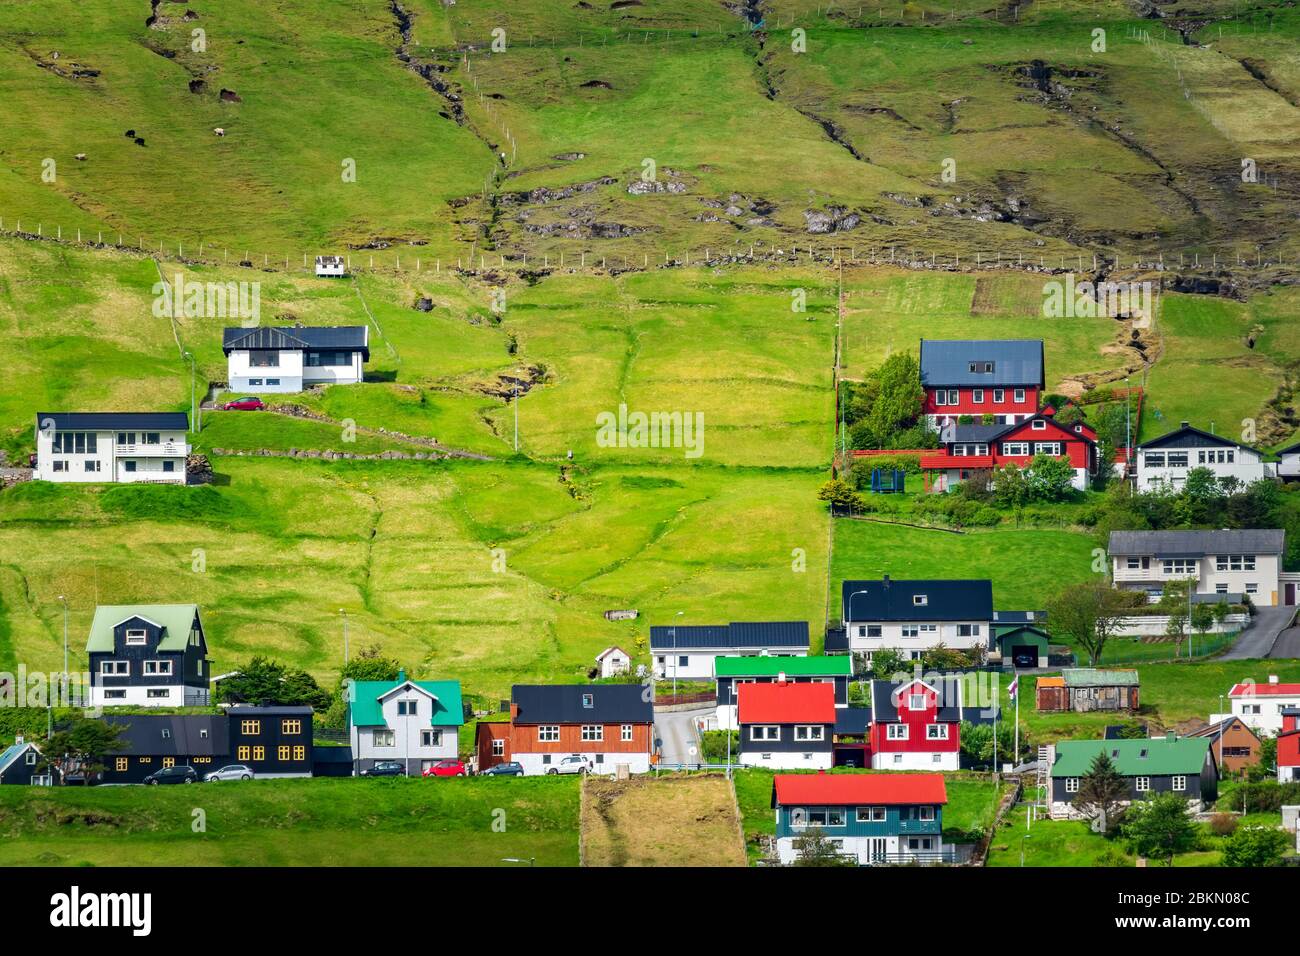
236	771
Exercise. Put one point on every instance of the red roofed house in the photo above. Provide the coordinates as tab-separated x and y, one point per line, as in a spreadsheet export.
786	725
1288	747
1260	706
984	447
873	818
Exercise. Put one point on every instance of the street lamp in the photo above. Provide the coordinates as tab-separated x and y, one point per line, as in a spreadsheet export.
64	601
193	405
679	614
345	634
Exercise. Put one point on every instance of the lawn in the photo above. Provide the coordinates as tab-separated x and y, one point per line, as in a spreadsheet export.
640	822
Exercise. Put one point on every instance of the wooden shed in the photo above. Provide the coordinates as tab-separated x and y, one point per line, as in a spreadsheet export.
1088	689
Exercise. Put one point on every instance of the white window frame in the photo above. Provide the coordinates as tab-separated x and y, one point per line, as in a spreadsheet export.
548	733
809	732
118	668
593	733
936	732
896	731
625	733
1071	784
1142	784
136	636
1179	782
157	668
765	732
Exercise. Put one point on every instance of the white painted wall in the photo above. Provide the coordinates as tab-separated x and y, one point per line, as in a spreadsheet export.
535	764
698	665
1263	579
915	761
891	636
111	459
786	761
1247	466
178	695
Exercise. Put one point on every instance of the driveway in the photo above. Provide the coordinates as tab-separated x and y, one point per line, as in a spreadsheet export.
676	731
1288	643
1259	638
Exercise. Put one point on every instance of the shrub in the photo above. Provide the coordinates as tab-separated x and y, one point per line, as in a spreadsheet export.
1223	824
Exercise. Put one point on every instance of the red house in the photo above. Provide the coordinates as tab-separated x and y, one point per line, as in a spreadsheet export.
968	448
1288	747
998	377
914	726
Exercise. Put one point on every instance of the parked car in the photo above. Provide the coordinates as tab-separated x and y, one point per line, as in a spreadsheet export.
511	768
446	768
386	768
571	764
172	775
236	771
250	404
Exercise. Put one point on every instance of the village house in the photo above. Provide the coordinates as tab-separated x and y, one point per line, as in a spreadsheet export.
1288	467
1288	747
1002	378
916	725
686	651
331	267
288	359
1234	745
20	763
148	655
786	725
911	617
1165	461
416	723
730	673
607	726
112	447
1261	706
978	446
1169	764
1223	564
871	818
1088	689
1017	646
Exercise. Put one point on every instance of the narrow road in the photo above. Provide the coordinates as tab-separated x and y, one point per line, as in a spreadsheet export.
676	732
1260	636
1288	644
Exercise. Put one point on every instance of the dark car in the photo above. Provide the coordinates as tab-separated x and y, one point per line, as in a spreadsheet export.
386	768
249	404
511	768
172	775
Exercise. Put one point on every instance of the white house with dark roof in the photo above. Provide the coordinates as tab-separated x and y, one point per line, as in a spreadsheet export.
1165	461
687	651
1227	564
112	447
290	358
1288	468
912	617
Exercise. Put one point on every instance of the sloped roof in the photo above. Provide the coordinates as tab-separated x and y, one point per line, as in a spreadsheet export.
1176	544
772	666
176	619
1015	362
567	704
736	635
1189	437
948	687
1096	677
172	735
945	600
1212	730
1264	690
112	421
13	752
1158	756
354	337
858	789
785	703
367	711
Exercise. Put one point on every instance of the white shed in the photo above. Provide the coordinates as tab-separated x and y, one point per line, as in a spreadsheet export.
613	661
332	267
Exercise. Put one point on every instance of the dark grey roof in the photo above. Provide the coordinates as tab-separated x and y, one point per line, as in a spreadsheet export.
1015	362
948	685
1194	544
1019	617
1189	437
1290	449
354	337
733	636
563	704
837	640
91	421
852	720
143	734
248	710
978	432
889	600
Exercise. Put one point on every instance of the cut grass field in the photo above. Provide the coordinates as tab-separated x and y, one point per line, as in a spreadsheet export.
640	822
477	821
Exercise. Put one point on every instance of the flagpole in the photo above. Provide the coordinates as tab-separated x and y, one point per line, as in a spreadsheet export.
1015	757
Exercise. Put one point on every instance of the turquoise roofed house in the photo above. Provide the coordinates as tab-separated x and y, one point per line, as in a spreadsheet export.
730	672
1168	764
415	723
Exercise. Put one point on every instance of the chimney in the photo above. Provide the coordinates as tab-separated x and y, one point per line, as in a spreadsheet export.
780	678
1185	424
18	739
1170	736
401	675
1272	678
514	711
886	581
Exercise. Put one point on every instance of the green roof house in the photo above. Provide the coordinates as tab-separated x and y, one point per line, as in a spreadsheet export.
149	655
1181	765
413	723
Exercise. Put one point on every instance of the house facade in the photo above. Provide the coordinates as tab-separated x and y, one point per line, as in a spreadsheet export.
687	651
911	617
1227	564
416	723
273	741
289	359
871	818
965	449
786	725
112	447
1288	467
1165	461
1170	764
1262	706
148	655
151	742
1086	690
731	673
1234	745
608	725
915	725
999	377
19	763
1288	747
613	661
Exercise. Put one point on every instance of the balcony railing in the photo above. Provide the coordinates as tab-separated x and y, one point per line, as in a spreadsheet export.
167	449
1156	574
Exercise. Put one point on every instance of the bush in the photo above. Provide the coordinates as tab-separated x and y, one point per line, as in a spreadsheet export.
1264	796
1223	824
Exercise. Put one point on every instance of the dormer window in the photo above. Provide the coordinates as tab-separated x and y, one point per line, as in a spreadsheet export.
1039	425
920	600
167	734
136	636
979	368
588	701
916	702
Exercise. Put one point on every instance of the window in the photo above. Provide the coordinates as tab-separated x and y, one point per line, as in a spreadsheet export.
151	438
381	738
126	438
1184	567
968	630
157	668
202	760
1221	589
548	733
1234	562
920	600
764	732
430	738
75	443
953	396
683	661
254	381
136	636
588	701
115	694
871	814
1015	448
272	381
263	358
873	630
977	396
925	814
129	467
169	762
1018	395
1142	784
1252	587
1177	459
60	466
282	753
250	728
498	748
809	732
322	358
910	630
1180	783
593	732
259	753
898	758
1038	425
145	760
627	733
169	465
408	708
1047	448
157	693
896	731
936	732
916	702
735	693
299	752
119	764
291	727
115	668
1071	784
999	395
92	464
1154	459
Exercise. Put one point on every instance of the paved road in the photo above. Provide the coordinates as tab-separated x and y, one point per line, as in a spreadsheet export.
676	730
1258	639
1288	643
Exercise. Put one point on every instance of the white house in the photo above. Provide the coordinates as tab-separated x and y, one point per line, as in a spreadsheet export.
613	661
112	446
416	723
1228	563
911	617
330	267
288	359
1261	707
1165	461
1288	468
687	651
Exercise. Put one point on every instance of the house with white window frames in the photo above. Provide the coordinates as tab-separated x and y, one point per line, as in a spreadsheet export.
148	655
1225	564
269	359
1165	462
911	617
416	723
1170	764
111	447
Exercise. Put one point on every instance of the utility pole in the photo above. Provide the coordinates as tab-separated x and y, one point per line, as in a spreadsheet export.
64	601
194	413
345	634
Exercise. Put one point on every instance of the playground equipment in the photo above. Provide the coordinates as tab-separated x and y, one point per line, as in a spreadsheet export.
888	482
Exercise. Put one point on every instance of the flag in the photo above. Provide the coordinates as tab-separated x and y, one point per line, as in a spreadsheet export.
1013	686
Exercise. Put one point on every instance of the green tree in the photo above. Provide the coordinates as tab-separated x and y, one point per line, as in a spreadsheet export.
814	848
1049	478
269	682
370	664
81	745
841	496
885	663
1255	846
1159	828
1101	790
1088	613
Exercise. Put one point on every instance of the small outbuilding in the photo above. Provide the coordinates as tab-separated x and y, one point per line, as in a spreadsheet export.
1025	646
331	267
1088	689
613	661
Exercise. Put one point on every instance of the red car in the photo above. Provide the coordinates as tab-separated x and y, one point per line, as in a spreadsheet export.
250	404
446	768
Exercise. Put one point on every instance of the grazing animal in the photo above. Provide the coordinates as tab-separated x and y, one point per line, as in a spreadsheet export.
219	131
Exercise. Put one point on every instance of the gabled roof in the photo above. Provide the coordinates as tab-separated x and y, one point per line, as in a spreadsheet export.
175	619
858	789
112	421
610	650
1264	690
785	703
1159	756
1096	677
737	635
13	752
838	666
889	600
1016	362
948	688
1196	544
1213	730
1024	631
1290	449
581	704
367	708
1188	437
351	337
172	735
